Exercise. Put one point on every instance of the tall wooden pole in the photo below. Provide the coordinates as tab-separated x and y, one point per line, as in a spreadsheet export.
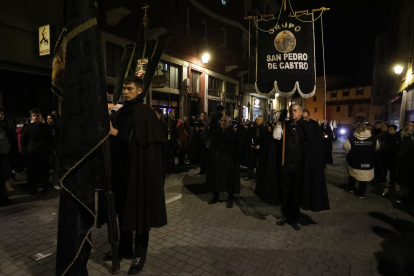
284	5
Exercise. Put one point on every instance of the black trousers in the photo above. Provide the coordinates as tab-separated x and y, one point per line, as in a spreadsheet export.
362	185
253	162
141	243
37	172
289	192
4	199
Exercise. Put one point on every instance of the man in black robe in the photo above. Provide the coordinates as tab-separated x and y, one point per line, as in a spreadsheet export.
202	142
303	179
224	173
138	177
255	136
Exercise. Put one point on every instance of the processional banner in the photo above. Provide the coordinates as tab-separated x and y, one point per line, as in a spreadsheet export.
285	56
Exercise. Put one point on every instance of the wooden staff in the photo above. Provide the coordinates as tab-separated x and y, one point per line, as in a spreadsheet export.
284	142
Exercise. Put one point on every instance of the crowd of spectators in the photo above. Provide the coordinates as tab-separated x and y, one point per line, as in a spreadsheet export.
29	147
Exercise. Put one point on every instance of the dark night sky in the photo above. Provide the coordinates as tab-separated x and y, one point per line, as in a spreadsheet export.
350	29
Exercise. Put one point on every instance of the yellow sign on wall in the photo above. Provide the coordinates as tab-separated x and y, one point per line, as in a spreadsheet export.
44	40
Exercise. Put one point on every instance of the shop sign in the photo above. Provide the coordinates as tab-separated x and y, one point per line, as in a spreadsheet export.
159	81
44	40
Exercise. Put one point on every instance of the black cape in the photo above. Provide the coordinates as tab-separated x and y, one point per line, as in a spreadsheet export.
267	182
140	197
223	173
312	192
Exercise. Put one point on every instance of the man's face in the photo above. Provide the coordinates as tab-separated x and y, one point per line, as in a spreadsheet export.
49	120
130	91
259	121
36	118
384	127
392	131
202	117
305	116
378	126
1	116
294	112
224	122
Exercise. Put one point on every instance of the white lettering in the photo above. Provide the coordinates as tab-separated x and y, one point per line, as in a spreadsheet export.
297	28
285	56
281	65
274	65
284	25
299	56
305	56
295	56
291	25
277	27
268	58
305	65
269	66
296	65
300	65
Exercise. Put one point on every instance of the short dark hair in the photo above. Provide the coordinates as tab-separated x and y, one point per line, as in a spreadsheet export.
387	124
305	110
204	113
135	80
36	111
219	108
378	122
393	126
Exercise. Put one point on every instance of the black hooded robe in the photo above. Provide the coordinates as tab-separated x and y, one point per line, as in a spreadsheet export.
223	175
138	180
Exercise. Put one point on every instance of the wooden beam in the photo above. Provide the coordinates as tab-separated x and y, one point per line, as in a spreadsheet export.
297	12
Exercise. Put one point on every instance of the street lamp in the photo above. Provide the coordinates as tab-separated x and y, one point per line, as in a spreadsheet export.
398	69
277	95
205	58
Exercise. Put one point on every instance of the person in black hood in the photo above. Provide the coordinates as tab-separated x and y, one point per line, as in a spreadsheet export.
224	171
327	139
37	145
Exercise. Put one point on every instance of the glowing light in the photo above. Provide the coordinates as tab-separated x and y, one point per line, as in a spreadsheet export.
342	131
398	69
277	95
205	58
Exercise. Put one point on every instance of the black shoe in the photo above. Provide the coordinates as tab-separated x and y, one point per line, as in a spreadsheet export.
282	221
121	255
295	225
213	200
229	203
136	266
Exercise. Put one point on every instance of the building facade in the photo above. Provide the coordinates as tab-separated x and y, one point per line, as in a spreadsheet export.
393	80
346	104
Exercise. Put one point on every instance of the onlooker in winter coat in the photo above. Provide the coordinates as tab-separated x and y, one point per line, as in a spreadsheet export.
405	162
37	146
361	158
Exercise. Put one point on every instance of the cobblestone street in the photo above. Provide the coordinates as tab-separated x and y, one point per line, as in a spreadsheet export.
356	237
